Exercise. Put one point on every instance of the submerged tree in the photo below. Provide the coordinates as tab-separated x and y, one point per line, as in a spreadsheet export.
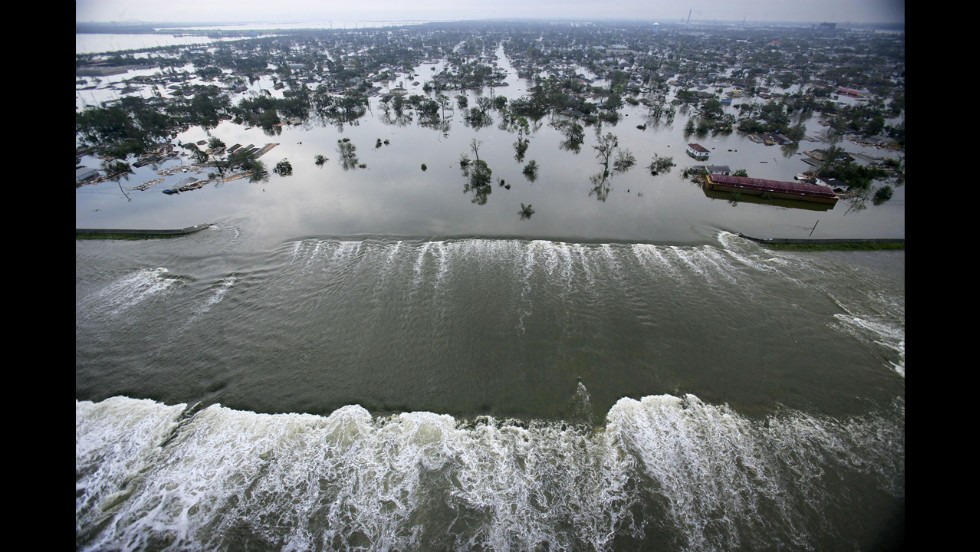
882	195
215	144
520	148
478	175
607	144
624	161
116	169
573	133
531	170
526	211
660	164
348	153
257	171
283	168
479	181
320	160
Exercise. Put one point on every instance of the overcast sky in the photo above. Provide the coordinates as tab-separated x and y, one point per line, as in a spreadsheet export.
160	11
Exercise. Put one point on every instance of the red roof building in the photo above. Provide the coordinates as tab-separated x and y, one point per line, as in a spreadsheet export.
775	189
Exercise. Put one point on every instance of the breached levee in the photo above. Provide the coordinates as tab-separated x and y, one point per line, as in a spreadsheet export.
664	472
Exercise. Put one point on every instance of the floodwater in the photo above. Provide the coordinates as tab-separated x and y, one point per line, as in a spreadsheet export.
367	359
394	196
94	43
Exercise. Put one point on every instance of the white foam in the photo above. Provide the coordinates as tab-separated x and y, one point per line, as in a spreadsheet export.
610	257
314	254
729	482
583	259
525	309
424	480
114	441
345	252
718	262
327	482
297	246
881	333
220	292
443	263
129	291
393	253
687	257
648	254
546	249
729	240
419	263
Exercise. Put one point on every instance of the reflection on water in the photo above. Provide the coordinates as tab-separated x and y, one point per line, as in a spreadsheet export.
735	198
389	195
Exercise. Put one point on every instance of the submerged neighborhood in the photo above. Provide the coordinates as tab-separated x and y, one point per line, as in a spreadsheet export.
492	284
775	85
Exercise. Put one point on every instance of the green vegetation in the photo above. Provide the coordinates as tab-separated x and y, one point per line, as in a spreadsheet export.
624	160
132	127
838	164
882	195
479	177
520	148
526	211
660	165
257	171
345	108
531	170
348	153
606	146
283	168
562	66
115	169
241	160
573	133
478	174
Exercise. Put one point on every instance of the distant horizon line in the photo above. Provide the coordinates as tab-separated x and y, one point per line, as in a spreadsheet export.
681	21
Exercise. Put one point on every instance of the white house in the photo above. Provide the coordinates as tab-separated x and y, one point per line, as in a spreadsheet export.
697	151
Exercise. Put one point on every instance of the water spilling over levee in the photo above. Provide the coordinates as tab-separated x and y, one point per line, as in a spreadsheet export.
487	394
664	471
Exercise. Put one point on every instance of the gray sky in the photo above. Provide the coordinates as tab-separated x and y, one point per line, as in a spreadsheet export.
838	11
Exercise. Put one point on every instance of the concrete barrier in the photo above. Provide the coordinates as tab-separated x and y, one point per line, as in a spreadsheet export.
135	234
